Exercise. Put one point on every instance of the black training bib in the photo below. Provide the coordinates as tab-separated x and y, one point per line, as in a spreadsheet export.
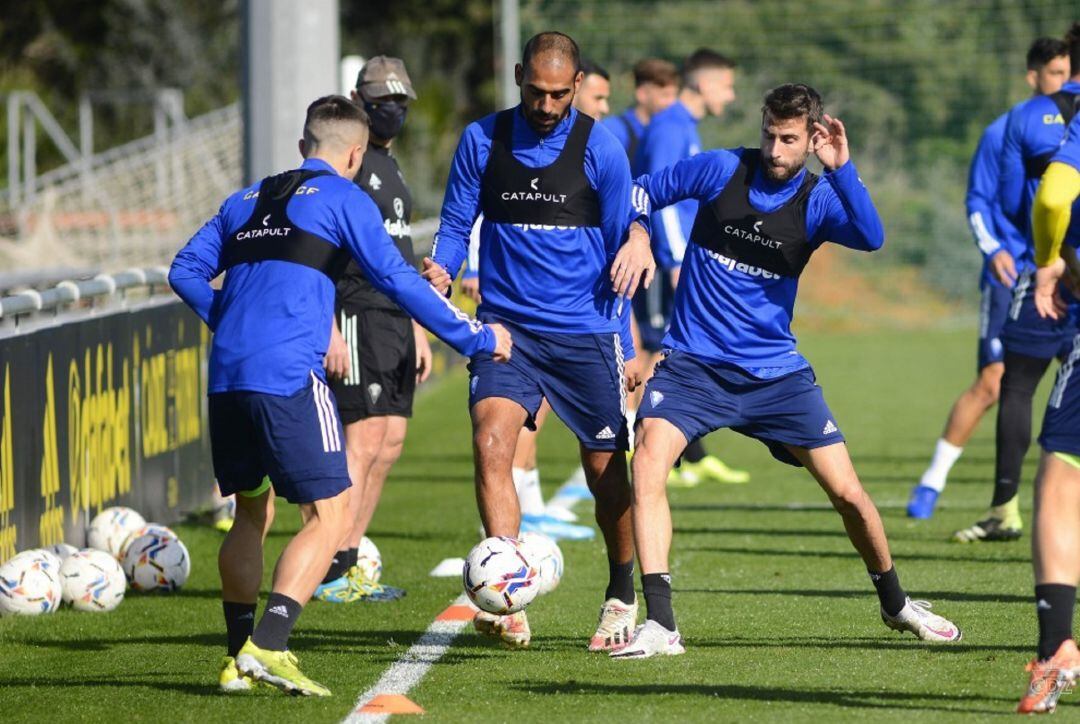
269	234
775	242
555	195
1067	103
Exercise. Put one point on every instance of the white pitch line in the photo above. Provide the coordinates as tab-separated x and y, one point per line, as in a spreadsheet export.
411	667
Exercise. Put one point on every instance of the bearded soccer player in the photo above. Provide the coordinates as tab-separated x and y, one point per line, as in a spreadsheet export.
556	264
283	243
732	360
1055	540
1001	244
1033	133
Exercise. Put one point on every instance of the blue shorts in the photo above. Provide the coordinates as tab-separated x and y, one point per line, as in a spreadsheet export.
652	310
296	440
993	311
1027	333
699	397
581	375
1061	423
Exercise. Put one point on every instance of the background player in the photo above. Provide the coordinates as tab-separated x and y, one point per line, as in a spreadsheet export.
1001	244
592	98
708	86
656	86
1033	132
282	243
733	361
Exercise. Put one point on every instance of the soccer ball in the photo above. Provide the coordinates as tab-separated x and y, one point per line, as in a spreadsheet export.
62	550
157	563
92	580
498	576
155	528
111	527
30	584
368	559
545	555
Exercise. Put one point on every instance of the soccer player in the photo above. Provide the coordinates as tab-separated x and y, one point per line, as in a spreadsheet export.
1001	244
1033	132
375	365
656	86
1055	540
282	243
733	361
708	86
556	261
592	98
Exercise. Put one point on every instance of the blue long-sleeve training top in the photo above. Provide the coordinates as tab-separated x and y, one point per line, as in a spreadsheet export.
743	317
670	137
543	278
992	230
272	319
1034	128
627	130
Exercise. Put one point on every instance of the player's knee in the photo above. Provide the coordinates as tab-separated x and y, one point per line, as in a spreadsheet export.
390	452
492	440
848	500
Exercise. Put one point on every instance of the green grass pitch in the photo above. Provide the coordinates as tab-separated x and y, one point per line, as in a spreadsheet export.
779	617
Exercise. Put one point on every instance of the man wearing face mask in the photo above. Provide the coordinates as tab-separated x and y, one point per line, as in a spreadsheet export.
379	354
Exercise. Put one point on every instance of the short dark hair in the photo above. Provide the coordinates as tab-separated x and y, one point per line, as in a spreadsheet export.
656	71
1072	39
703	59
590	68
552	41
1043	50
793	100
326	112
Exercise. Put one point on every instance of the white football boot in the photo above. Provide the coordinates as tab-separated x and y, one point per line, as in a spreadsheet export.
613	631
917	618
651	639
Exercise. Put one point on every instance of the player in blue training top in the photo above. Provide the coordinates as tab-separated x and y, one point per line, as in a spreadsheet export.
708	86
281	244
1033	132
656	86
1056	528
731	359
556	266
1001	244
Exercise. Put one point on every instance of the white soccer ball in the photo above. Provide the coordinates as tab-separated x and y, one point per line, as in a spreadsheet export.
30	584
498	576
545	555
369	559
92	580
155	528
111	527
157	563
62	550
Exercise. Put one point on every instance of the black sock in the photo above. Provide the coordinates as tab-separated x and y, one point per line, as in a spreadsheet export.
1022	375
620	581
889	592
276	623
1054	604
343	561
694	452
239	623
657	590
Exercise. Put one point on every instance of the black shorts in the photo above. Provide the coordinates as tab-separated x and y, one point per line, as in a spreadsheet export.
382	367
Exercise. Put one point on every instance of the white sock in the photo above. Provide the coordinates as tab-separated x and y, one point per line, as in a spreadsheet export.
527	485
631	418
945	456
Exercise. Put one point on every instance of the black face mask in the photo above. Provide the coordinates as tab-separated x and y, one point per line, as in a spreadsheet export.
387	118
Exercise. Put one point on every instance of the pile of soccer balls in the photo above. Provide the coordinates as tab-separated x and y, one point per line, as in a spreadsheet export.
123	548
504	575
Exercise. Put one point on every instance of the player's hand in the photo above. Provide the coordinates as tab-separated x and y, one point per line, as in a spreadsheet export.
634	264
337	359
423	353
1003	267
632	374
829	143
1048	303
503	343
471	287
436	275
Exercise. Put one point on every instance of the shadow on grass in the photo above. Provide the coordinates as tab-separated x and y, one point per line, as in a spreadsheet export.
907	556
965	596
68	681
733	692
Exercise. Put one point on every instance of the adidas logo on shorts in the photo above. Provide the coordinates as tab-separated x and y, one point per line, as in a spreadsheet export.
830	428
605	434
